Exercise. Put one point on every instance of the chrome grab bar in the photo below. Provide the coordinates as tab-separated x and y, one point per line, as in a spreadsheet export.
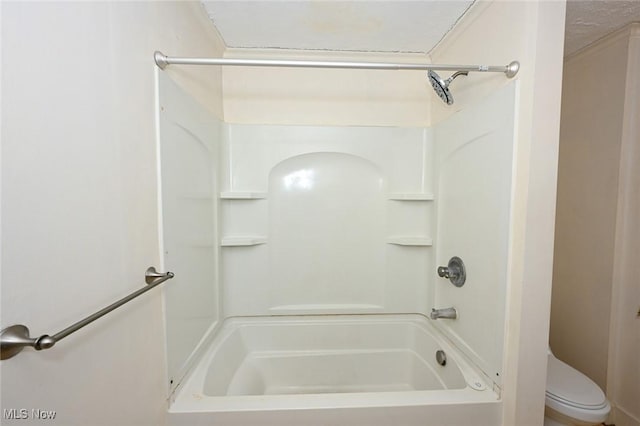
15	338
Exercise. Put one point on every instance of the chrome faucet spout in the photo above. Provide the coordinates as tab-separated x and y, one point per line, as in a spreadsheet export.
445	313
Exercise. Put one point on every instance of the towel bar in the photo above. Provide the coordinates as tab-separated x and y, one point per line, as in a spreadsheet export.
14	338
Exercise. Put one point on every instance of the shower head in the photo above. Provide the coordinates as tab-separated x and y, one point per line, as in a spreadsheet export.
442	86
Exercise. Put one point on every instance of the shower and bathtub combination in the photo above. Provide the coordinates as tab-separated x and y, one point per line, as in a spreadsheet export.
335	274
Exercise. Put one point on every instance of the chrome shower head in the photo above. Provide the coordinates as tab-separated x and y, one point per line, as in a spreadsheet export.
442	86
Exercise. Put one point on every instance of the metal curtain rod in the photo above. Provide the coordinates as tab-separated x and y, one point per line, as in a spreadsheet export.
13	339
162	61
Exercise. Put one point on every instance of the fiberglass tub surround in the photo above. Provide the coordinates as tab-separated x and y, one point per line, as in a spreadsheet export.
306	262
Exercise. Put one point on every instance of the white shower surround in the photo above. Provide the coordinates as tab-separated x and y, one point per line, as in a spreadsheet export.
410	164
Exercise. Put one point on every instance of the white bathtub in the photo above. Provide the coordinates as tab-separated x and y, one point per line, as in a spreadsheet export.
356	369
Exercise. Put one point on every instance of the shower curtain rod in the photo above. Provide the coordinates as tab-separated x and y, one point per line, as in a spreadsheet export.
162	61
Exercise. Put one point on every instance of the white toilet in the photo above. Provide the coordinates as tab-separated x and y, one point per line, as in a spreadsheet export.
572	398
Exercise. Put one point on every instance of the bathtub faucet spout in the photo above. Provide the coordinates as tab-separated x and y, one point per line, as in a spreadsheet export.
448	313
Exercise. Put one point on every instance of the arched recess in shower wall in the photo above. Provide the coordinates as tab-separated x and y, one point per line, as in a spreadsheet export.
326	234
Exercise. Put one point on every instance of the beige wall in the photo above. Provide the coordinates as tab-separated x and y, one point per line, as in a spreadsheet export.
596	221
325	96
532	33
591	132
79	212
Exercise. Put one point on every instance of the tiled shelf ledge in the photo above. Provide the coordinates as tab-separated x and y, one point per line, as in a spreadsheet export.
243	241
242	195
411	196
411	241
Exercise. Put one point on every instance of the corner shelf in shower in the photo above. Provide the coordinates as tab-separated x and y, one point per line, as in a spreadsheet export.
243	241
411	196
410	241
243	195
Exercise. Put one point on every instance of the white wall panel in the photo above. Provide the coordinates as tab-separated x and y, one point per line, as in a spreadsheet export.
474	157
341	222
188	145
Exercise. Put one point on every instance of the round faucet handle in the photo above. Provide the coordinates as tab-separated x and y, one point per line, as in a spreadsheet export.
443	271
454	271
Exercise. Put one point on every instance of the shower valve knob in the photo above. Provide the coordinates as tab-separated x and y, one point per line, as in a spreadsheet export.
454	271
443	271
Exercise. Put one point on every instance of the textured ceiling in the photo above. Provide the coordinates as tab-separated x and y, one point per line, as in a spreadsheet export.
590	20
385	25
381	26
